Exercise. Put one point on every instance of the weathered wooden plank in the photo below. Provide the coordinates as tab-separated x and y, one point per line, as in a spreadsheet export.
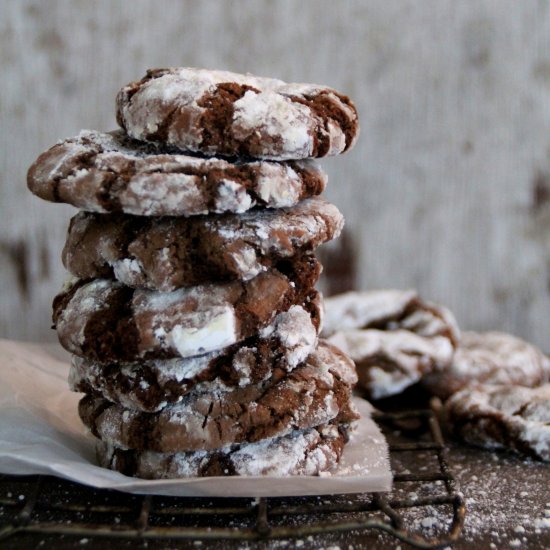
447	190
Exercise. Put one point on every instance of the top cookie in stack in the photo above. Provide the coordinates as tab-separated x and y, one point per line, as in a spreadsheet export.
192	316
222	113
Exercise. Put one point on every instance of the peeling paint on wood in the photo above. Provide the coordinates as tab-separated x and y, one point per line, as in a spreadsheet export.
17	254
339	264
541	190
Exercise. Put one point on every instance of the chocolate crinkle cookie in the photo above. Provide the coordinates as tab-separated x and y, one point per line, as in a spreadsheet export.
111	172
314	393
490	358
389	310
190	312
105	320
224	113
168	253
301	452
388	362
151	385
394	337
502	417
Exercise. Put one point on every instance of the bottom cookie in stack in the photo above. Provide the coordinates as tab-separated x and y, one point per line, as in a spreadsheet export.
301	452
294	422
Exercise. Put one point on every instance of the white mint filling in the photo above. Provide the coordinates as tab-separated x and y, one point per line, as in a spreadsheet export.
218	331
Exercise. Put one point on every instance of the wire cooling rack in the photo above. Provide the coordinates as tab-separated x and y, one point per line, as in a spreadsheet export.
36	508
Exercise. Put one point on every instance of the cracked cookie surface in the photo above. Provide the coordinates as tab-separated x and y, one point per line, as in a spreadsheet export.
107	321
169	253
389	310
502	417
151	385
110	172
314	393
305	452
394	337
224	113
490	358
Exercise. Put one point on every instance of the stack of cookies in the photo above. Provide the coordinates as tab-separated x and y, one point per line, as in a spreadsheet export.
192	315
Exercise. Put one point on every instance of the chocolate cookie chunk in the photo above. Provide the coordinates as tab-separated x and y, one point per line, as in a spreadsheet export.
490	358
113	173
150	385
301	452
390	361
223	113
502	417
108	321
394	337
169	253
317	392
389	310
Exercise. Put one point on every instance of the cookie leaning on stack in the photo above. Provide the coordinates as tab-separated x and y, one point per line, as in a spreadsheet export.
195	336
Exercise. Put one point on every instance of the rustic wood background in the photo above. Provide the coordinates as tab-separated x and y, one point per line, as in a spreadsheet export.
448	189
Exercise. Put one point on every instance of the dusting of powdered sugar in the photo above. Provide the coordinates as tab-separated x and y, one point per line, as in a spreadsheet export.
521	414
352	310
496	358
303	453
232	197
278	185
269	112
164	194
506	499
295	332
281	232
127	269
88	299
277	118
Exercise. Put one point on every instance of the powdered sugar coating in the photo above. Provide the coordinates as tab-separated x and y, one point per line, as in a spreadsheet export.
302	452
90	300
105	320
490	358
151	385
394	337
168	253
390	310
251	116
316	392
389	361
110	172
511	417
276	118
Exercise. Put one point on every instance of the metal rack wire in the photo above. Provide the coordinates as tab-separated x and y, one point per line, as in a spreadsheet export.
38	506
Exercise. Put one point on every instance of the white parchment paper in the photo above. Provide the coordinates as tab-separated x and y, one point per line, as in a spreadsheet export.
40	433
